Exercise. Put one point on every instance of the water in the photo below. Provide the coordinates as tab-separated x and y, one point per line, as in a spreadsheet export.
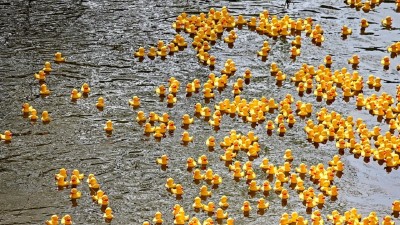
98	39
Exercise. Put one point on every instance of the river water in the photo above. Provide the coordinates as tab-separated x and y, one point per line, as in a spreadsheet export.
98	39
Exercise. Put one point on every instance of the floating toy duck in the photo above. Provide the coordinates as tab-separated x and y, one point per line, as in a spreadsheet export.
197	203
186	137
364	23
135	101
109	126
85	88
190	163
204	191
158	218
178	190
44	90
355	60
253	186
108	214
297	41
7	136
203	160
210	207
385	61
223	202
103	200
280	76
197	175
26	108
53	220
75	194
41	76
346	31
45	117
170	183
75	181
75	94
387	220
208	93
220	214
387	22
100	103
66	220
281	129
58	57
163	161
161	90
246	208
171	99
186	120
152	52
140	53
295	51
216	179
47	67
171	126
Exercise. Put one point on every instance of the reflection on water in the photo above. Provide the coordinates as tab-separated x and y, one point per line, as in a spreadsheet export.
98	39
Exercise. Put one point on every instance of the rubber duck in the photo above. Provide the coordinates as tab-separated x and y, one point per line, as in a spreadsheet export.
7	136
186	120
281	129
135	101
288	155
108	214
237	173
170	183
158	218
253	186
47	67
160	90
186	137
220	214
197	203
152	52
202	160
207	93
140	53
280	76
377	82
385	61
297	41
44	90
75	94
41	76
246	207
261	204
66	220
103	200
53	220
346	31
75	180
178	190
295	51
109	126
387	220
75	194
171	99
163	160
210	207
274	68
387	22
171	126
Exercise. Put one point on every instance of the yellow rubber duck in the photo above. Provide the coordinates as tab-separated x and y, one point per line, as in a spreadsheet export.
66	220
280	76
163	160
346	30
58	57
262	204
53	220
396	206
197	203
158	218
203	160
108	214
44	90
41	76
387	22
387	220
170	183
385	61
246	207
186	120
295	51
197	175
109	126
135	101
7	136
75	194
253	186
171	99
47	67
178	190
75	94
160	90
224	202
85	88
190	163
274	68
281	129
140	53
171	126
220	214
297	41
186	137
216	179
204	191
210	207
152	52
75	180
45	117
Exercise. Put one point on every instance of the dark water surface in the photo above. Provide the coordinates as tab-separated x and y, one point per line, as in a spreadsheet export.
98	39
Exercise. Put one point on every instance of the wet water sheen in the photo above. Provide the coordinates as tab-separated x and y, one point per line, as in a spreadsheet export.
98	39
